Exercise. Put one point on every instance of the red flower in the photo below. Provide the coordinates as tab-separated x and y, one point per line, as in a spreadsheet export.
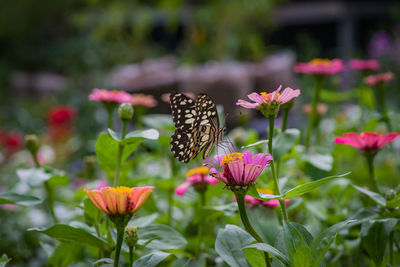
60	121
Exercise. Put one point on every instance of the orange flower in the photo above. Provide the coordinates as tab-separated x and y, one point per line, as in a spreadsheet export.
119	200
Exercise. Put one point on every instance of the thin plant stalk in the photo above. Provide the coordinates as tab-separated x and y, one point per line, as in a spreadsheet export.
120	152
391	241
131	248
285	114
49	192
271	120
381	95
313	115
371	171
201	223
120	238
174	172
247	225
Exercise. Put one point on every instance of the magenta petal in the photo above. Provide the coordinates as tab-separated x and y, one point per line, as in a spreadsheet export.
181	190
387	138
211	180
236	168
246	104
219	158
251	172
262	159
256	98
247	157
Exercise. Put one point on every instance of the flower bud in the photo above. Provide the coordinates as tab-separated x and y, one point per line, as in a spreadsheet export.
125	111
390	194
131	236
32	143
270	110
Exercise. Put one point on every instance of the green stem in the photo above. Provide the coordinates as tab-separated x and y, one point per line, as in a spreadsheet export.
381	95
131	256
391	241
272	165
201	223
313	115
120	152
285	114
50	201
370	163
174	172
247	225
120	237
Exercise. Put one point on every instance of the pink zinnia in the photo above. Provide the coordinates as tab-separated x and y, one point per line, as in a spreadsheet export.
268	98
240	169
120	200
143	100
197	178
110	96
367	142
359	64
379	78
320	66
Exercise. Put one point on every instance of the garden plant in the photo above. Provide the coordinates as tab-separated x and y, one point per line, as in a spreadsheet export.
323	193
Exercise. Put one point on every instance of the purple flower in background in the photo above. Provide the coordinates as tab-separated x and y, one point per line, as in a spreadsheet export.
380	44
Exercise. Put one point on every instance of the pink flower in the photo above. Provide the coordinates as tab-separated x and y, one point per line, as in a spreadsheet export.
120	200
143	100
197	178
240	169
321	108
60	122
320	66
269	98
110	96
379	78
367	142
359	64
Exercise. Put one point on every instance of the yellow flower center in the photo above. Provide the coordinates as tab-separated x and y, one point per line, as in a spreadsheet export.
121	189
231	157
320	61
200	170
265	191
268	96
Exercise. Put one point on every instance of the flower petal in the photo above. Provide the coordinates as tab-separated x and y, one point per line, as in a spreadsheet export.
111	200
236	168
246	104
247	157
96	196
138	196
257	98
251	172
181	190
387	138
211	180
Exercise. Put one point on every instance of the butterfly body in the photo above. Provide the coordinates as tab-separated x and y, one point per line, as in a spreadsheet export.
197	126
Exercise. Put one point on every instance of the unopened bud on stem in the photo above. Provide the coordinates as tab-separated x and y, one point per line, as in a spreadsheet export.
125	111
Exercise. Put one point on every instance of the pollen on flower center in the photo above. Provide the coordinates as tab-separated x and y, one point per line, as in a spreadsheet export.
200	170
268	96
121	189
320	61
231	157
265	191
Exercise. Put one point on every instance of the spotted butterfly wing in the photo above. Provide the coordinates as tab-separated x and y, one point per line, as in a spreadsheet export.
197	126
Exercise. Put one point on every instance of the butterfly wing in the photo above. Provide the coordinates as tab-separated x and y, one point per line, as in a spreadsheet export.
206	126
184	116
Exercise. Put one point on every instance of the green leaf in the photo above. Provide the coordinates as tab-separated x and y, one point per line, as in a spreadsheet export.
91	212
322	242
284	142
367	97
158	121
335	96
302	257
295	237
4	260
66	233
374	196
273	251
255	257
374	237
14	198
254	193
113	135
107	151
320	161
144	220
307	187
151	259
164	237
33	176
64	254
151	134
230	243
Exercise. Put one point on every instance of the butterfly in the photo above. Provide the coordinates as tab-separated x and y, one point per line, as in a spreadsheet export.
197	126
